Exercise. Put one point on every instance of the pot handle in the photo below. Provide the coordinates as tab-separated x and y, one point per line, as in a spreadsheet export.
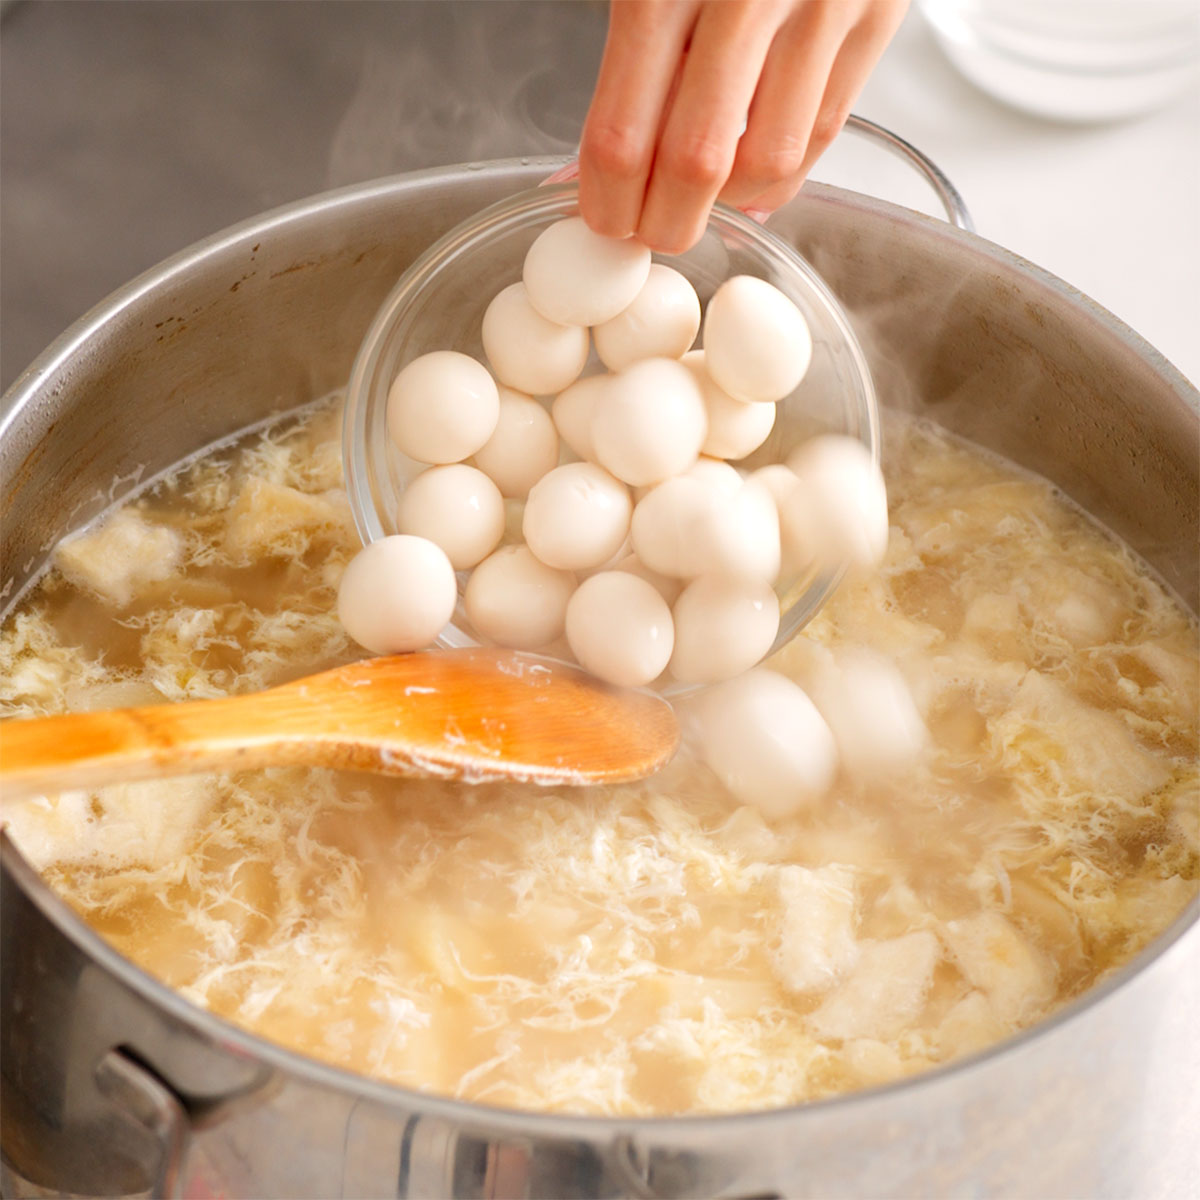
151	1103
952	201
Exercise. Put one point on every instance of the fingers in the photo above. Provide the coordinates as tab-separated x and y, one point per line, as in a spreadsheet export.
679	82
786	105
862	49
813	75
645	44
699	137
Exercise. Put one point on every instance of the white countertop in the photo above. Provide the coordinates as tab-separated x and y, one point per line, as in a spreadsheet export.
1113	209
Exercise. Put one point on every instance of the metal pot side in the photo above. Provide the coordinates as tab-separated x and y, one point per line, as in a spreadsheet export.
114	1085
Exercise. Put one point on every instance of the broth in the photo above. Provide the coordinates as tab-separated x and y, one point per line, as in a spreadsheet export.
653	948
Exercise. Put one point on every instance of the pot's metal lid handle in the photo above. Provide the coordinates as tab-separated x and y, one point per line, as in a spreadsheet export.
952	201
151	1103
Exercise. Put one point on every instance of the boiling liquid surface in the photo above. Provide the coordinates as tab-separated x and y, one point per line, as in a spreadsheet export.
654	948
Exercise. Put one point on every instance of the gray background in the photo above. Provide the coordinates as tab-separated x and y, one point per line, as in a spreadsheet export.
131	128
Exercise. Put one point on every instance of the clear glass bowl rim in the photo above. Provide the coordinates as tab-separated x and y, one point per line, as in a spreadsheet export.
512	214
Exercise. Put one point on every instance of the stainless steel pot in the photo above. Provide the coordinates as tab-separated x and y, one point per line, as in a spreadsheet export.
113	1085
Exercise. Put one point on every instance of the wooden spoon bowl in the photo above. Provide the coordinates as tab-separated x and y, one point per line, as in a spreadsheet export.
475	715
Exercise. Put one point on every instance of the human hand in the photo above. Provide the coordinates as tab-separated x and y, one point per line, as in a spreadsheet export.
663	136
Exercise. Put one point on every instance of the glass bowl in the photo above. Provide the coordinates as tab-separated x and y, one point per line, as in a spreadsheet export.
439	302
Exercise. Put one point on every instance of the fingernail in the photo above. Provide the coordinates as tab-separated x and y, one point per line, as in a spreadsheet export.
564	173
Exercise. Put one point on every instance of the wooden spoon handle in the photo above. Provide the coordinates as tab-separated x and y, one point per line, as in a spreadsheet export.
475	714
88	749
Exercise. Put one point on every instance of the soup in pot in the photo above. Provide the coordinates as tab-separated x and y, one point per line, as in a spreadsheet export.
653	948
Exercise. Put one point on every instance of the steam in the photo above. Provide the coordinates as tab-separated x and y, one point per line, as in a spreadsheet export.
940	377
463	82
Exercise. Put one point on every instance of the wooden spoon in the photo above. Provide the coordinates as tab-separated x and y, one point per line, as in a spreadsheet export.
475	715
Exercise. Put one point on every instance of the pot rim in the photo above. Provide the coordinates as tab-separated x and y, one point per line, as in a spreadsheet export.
62	351
58	358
